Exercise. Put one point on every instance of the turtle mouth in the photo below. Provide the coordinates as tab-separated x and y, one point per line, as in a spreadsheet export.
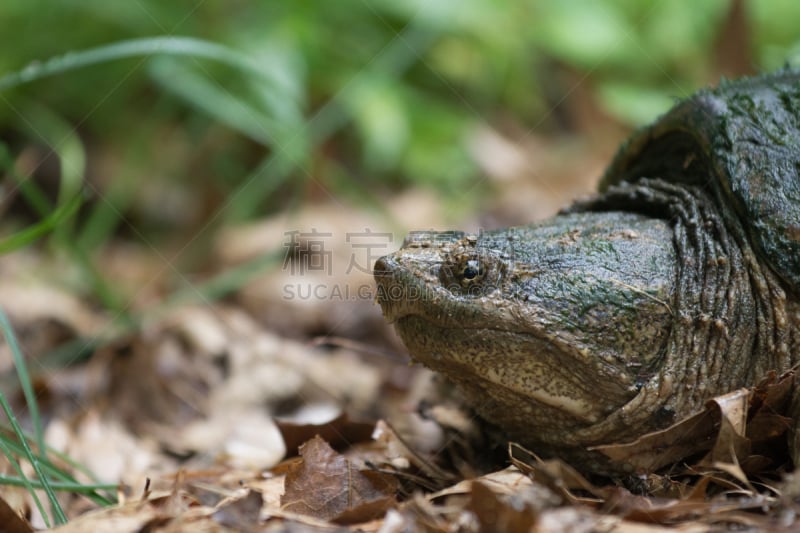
540	372
400	293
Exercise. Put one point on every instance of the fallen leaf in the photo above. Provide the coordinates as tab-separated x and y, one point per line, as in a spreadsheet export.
400	455
495	514
509	482
731	445
339	432
10	521
326	485
131	517
241	513
650	452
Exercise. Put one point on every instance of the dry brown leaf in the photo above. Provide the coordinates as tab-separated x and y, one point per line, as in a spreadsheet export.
10	521
554	474
767	426
660	448
240	513
326	485
496	514
774	392
400	455
770	417
731	445
657	510
509	486
131	517
724	429
108	449
339	432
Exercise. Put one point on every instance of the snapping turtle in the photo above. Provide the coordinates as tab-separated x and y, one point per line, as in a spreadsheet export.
678	281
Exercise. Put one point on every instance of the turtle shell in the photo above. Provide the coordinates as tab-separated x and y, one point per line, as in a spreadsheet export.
741	139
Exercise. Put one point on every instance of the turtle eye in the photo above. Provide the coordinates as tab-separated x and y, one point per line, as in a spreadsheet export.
471	272
466	273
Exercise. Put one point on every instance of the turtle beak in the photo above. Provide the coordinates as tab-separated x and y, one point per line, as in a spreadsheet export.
399	276
390	288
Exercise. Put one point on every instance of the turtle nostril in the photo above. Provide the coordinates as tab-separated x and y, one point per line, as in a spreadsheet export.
383	270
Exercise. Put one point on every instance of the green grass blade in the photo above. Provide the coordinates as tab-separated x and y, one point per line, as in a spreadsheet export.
61	137
56	485
26	236
56	133
395	60
58	512
33	407
30	191
24	380
212	99
144	47
56	474
24	481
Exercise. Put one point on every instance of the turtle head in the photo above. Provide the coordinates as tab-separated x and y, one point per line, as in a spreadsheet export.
547	328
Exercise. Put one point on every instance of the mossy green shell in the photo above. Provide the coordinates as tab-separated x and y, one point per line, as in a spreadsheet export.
742	141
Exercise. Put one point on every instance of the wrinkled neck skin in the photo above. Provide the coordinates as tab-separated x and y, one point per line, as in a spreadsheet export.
793	327
733	319
598	325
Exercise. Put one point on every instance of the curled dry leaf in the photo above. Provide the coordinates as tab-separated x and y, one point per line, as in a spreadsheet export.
723	430
625	510
496	513
655	450
507	482
554	474
328	486
731	445
339	432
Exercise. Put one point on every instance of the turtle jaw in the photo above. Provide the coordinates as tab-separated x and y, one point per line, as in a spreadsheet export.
555	387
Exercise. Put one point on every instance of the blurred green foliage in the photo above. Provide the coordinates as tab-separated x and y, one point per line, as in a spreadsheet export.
189	112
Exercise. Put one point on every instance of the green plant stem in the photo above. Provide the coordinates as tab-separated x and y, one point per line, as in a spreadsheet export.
24	481
24	381
147	46
58	512
56	485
